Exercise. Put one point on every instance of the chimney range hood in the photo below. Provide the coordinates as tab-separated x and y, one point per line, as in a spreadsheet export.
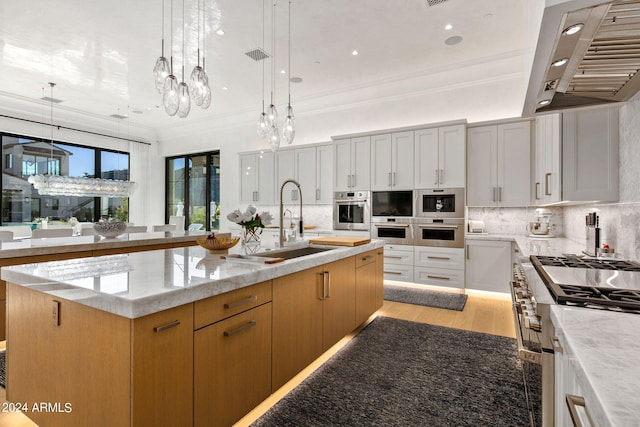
588	53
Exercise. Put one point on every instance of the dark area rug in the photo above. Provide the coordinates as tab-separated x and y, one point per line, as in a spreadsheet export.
400	373
427	297
3	377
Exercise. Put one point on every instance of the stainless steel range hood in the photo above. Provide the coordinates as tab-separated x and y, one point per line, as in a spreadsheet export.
601	59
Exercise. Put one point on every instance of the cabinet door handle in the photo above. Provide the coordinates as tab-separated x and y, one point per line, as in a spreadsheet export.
499	194
537	191
167	326
547	190
241	302
389	179
393	272
317	194
244	327
572	402
437	277
393	256
348	181
435	181
439	257
555	343
324	285
441	176
365	258
467	251
328	284
394	179
354	180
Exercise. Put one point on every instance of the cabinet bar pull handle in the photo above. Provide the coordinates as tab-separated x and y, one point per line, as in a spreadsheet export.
241	302
436	176
167	326
467	251
438	257
364	258
572	402
440	175
437	277
324	286
537	191
392	272
547	191
244	327
328	273
394	178
393	256
390	184
354	181
348	181
317	194
499	194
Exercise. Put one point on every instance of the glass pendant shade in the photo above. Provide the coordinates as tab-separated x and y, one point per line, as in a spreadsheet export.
263	126
184	103
206	97
198	82
272	115
170	96
274	137
289	129
160	72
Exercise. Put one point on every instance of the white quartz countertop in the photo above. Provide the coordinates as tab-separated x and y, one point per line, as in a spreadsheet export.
54	245
551	246
603	348
141	283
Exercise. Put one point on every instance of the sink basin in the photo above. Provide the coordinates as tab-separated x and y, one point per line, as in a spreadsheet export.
294	253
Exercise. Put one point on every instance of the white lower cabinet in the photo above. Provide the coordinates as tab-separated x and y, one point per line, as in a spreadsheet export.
439	266
568	393
488	265
398	263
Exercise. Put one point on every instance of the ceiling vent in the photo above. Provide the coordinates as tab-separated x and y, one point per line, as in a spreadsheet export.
257	54
51	100
435	2
118	116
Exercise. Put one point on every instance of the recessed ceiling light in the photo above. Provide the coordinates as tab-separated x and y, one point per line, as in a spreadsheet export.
544	102
220	32
453	40
560	62
573	29
355	53
448	27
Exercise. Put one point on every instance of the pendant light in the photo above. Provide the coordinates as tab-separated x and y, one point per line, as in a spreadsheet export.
289	127
272	113
184	100
198	78
263	125
161	69
170	96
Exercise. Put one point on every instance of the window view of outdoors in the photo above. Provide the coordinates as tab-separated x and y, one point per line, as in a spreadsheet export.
23	157
193	189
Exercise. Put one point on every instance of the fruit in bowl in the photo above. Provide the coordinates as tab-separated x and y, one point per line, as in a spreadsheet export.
218	242
109	229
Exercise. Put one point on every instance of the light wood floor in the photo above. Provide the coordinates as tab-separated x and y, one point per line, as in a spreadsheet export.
484	312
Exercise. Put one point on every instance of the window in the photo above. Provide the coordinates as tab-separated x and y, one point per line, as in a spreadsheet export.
193	189
23	157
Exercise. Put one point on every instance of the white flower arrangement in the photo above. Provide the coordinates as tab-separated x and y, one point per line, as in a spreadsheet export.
250	219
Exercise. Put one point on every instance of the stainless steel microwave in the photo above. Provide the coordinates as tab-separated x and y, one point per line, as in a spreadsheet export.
440	203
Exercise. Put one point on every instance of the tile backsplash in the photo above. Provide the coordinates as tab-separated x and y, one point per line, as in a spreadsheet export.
514	221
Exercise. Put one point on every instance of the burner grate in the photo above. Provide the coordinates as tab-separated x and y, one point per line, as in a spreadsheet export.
595	263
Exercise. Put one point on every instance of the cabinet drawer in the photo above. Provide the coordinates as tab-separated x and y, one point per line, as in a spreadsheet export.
452	258
439	277
398	254
398	272
366	258
221	306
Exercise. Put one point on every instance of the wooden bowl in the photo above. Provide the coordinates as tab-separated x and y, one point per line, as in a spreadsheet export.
221	242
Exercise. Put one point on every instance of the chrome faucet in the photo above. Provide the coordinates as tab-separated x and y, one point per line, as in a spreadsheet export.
300	226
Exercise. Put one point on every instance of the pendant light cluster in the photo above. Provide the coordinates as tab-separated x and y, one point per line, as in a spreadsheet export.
177	97
268	121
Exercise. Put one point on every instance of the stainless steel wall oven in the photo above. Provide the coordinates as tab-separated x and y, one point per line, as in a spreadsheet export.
351	211
441	232
398	231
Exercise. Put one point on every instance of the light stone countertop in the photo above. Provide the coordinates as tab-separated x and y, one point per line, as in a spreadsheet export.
603	349
56	245
141	283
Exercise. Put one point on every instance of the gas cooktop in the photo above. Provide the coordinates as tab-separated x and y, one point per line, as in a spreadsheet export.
591	282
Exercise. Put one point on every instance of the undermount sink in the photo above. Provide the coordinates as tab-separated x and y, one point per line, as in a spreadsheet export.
294	253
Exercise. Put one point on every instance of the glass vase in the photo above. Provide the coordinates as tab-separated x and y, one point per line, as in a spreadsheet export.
250	240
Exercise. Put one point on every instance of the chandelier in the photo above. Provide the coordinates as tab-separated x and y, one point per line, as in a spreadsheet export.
177	97
268	121
57	185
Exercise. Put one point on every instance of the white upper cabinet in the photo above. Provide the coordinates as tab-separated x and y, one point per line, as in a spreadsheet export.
312	167
548	150
392	161
499	159
352	164
257	171
590	155
440	157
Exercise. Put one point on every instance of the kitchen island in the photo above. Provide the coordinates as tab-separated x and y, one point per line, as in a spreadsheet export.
59	248
178	336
